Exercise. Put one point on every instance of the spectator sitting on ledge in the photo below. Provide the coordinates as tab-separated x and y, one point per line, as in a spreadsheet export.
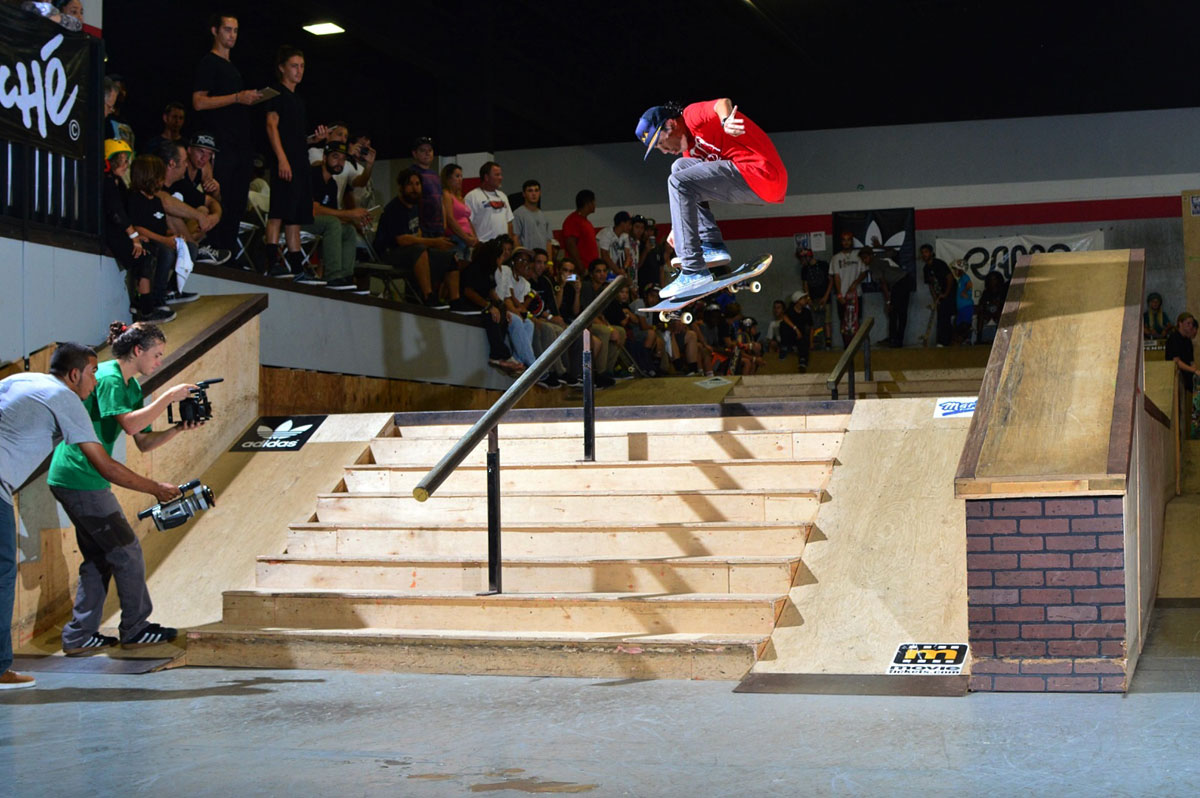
479	291
400	242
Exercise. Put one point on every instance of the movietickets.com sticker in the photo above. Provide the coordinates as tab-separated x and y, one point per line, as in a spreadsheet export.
955	407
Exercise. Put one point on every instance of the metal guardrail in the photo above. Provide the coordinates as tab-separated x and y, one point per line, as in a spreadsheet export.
487	424
861	340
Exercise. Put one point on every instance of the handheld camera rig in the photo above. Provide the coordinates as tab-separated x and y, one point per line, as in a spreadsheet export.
196	407
194	498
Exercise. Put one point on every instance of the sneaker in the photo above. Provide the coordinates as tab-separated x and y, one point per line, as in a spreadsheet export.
11	680
181	297
212	256
714	255
603	381
152	635
279	270
160	315
622	374
433	303
464	307
685	284
306	277
550	380
342	284
573	382
94	645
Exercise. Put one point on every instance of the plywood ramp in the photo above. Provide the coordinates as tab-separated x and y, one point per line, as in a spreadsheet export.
258	495
886	562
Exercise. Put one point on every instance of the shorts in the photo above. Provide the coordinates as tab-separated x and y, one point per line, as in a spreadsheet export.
441	262
291	200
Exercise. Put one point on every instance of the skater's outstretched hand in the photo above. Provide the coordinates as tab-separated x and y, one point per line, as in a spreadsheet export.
733	124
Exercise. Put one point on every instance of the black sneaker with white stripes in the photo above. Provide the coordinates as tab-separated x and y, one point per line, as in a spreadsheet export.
152	635
94	645
212	255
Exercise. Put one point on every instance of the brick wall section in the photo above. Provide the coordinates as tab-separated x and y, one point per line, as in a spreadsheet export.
1046	594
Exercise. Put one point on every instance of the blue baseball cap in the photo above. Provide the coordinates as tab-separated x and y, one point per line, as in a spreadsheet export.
651	124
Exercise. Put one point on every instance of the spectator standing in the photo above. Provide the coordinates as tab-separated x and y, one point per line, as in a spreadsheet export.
115	125
1180	350
847	272
223	100
37	411
433	218
795	330
964	301
941	292
173	117
291	185
814	276
491	215
456	213
613	242
529	223
897	286
1155	323
108	544
579	236
338	228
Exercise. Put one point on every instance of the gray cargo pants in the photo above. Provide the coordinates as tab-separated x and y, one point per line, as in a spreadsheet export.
110	549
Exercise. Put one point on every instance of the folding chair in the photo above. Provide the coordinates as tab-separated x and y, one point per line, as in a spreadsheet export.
308	241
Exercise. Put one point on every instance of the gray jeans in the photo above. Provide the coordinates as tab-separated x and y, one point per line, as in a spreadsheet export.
692	183
110	549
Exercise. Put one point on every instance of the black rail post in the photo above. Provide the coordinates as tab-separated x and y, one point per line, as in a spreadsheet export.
867	360
589	401
493	510
853	395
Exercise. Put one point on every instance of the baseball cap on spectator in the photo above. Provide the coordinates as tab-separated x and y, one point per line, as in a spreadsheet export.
336	146
621	217
526	251
749	322
798	295
206	140
419	140
803	252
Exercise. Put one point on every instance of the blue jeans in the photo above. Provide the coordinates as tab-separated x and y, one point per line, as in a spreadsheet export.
692	183
8	580
520	338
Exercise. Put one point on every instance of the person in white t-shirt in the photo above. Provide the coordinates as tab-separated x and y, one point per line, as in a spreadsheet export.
616	248
847	271
491	215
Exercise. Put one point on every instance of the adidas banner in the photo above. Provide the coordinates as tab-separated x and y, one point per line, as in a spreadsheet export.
889	228
278	434
984	255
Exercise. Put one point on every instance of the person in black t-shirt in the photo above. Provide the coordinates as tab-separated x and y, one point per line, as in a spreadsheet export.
338	228
291	190
197	188
400	242
1180	350
941	290
479	291
223	101
814	276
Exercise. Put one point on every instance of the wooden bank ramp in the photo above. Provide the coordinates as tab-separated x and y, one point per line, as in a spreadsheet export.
885	564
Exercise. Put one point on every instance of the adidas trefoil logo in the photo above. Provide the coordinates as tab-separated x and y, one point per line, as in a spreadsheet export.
282	437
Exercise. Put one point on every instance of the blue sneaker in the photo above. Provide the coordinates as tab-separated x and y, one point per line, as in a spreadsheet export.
685	284
714	255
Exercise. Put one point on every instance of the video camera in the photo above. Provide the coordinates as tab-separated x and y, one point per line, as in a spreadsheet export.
168	515
196	407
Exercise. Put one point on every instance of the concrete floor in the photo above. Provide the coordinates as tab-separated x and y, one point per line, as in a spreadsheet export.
201	732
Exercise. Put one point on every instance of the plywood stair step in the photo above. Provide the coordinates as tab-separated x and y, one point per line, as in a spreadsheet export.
861	388
523	575
315	539
623	447
597	655
811	474
624	507
612	613
819	422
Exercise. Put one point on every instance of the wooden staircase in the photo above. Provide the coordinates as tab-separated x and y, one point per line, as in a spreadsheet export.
669	557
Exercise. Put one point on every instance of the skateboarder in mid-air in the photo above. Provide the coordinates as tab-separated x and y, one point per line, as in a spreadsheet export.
725	157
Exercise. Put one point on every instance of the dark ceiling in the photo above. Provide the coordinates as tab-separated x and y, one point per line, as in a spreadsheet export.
512	74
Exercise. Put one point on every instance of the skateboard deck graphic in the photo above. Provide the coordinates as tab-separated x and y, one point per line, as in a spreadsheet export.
744	274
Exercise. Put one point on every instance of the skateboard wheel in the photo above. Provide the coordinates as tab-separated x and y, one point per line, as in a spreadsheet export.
687	318
755	287
663	316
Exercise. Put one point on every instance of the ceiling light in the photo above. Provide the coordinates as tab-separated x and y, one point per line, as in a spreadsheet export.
324	28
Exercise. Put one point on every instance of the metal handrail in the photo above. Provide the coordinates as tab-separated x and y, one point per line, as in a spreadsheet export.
486	425
861	340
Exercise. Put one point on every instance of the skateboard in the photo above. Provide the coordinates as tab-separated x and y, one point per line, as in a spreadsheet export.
740	279
850	318
927	338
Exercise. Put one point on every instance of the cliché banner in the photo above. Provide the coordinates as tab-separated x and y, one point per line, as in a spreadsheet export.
43	83
983	255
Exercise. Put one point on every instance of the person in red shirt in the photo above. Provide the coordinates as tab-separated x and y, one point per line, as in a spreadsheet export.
724	157
579	235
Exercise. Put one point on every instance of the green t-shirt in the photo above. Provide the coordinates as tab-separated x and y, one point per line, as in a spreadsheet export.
113	396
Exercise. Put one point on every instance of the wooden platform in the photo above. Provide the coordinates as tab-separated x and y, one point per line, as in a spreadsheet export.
886	563
1055	413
